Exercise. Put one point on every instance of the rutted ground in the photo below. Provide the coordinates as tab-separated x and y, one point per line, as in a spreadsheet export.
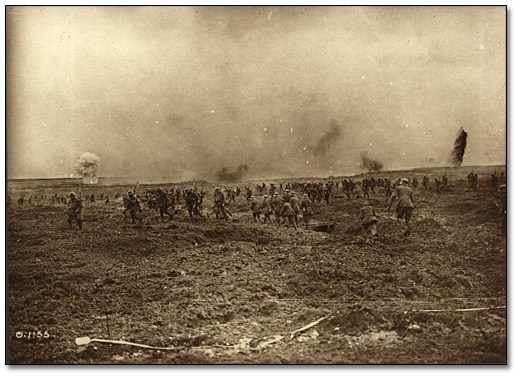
220	291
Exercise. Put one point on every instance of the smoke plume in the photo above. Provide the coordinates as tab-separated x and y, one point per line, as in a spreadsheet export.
370	164
86	166
225	175
327	140
459	147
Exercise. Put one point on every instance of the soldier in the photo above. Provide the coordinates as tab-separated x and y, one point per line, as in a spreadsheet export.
164	204
288	213
74	210
276	206
364	187
294	202
474	181
368	220
266	208
132	204
415	182
107	200
256	208
286	196
219	204
327	194
425	181
306	206
387	188
248	193
494	180
438	185
444	181
92	198
405	204
191	199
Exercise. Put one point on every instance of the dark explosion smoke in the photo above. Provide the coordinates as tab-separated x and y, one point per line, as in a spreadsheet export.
225	175
326	141
459	147
369	163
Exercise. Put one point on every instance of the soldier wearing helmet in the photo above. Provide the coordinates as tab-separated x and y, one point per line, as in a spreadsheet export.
219	204
306	206
294	203
275	203
74	210
405	204
132	204
266	208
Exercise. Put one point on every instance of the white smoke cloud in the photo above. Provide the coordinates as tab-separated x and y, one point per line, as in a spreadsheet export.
86	166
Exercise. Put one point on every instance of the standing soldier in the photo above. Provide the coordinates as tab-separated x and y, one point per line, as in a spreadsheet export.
294	203
219	204
365	186
286	196
425	181
288	213
74	210
276	206
306	206
415	182
474	181
387	188
191	200
494	180
266	208
438	185
405	204
132	204
327	194
444	181
256	208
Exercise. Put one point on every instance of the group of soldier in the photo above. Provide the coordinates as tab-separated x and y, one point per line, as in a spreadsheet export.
269	206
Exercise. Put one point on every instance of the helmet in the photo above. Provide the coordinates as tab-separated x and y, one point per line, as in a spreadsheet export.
276	193
292	193
305	195
405	181
72	194
217	188
287	190
265	196
130	192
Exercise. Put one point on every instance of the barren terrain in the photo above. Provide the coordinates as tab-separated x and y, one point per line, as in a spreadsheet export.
233	292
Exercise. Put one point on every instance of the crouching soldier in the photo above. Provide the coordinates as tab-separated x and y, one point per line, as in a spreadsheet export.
74	210
368	220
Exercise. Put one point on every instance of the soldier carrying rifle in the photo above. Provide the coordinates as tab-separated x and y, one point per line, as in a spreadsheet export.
74	210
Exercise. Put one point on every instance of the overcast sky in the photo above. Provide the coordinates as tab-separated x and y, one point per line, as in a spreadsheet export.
159	91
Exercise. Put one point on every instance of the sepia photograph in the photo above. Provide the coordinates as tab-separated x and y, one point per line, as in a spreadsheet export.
256	185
